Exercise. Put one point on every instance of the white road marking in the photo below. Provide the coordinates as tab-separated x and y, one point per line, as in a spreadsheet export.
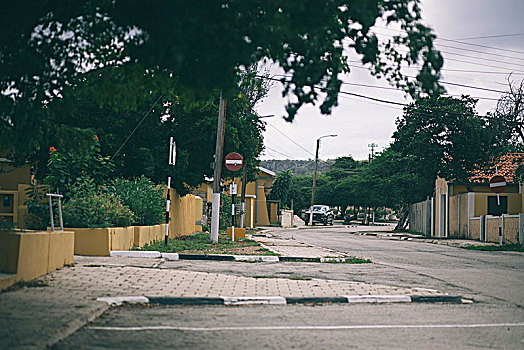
285	328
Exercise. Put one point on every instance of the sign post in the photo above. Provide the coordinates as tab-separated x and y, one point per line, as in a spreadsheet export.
497	184
171	161
233	162
233	192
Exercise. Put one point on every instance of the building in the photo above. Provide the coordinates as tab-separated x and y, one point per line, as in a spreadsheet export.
259	211
472	210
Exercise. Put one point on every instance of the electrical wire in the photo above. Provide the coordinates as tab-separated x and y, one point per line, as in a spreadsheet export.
285	155
287	137
491	36
136	127
381	100
459	42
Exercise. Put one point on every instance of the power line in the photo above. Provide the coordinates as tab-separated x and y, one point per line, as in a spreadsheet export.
445	82
458	41
278	148
287	137
491	36
285	155
368	97
136	127
482	52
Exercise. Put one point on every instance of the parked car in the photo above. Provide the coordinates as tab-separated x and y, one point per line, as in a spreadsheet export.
322	214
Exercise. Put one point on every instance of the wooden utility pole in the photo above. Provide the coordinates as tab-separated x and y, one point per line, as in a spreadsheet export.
221	129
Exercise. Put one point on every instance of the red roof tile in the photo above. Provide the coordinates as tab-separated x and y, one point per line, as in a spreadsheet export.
506	166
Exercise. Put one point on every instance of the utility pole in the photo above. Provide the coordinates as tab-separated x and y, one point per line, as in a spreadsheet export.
215	208
372	146
315	179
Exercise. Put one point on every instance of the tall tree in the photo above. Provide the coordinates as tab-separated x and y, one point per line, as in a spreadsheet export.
137	140
281	188
201	45
510	112
445	137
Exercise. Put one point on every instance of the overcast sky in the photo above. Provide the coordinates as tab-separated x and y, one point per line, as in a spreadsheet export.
359	122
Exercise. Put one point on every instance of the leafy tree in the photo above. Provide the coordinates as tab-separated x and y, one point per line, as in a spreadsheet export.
200	46
445	137
510	113
282	187
137	140
300	191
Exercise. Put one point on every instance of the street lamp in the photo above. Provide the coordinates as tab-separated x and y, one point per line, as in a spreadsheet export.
315	178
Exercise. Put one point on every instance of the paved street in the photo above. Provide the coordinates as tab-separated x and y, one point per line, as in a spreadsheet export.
493	279
485	276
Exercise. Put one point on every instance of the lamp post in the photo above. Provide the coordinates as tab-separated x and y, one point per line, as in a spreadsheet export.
315	178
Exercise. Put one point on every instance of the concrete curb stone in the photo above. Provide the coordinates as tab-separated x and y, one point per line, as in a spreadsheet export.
280	300
222	257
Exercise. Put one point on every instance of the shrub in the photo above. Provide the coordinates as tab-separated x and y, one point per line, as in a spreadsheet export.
225	211
143	197
70	172
37	213
96	210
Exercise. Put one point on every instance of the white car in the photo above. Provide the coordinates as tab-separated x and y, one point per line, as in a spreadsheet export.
322	214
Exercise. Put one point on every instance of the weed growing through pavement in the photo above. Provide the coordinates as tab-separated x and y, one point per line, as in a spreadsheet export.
348	260
504	247
25	284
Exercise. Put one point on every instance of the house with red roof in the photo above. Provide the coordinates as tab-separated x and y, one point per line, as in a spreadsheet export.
472	209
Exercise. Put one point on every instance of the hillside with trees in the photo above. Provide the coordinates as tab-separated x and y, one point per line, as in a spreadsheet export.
299	167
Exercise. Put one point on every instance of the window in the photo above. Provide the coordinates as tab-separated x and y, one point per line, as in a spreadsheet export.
494	208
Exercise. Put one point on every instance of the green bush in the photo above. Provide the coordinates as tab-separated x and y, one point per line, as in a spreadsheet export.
143	197
37	212
225	211
97	210
70	172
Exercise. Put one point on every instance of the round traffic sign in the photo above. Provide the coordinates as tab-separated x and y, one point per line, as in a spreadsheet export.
233	161
497	184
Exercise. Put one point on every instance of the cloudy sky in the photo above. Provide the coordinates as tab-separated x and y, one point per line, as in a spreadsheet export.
483	36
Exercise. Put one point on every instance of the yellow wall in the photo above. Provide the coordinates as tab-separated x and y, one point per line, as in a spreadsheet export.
453	216
511	230
33	254
262	218
199	206
474	227
182	214
15	176
464	214
514	203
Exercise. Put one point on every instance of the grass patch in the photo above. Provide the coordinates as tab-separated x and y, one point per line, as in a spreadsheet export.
504	247
199	243
297	278
300	278
348	260
25	284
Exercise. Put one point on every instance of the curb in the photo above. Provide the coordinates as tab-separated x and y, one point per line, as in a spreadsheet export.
279	300
221	257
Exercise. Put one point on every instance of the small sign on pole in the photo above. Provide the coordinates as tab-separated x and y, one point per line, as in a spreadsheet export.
172	151
171	161
234	161
497	184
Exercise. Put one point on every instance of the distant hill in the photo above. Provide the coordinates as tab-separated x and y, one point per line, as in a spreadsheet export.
300	167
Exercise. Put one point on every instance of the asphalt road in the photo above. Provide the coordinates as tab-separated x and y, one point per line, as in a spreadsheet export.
495	321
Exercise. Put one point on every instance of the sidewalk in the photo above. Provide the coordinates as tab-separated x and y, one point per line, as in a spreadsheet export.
39	317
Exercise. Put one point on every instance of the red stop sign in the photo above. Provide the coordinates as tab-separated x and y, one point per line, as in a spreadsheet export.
497	184
233	161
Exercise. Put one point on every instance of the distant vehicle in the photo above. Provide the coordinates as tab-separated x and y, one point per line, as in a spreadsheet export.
322	214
